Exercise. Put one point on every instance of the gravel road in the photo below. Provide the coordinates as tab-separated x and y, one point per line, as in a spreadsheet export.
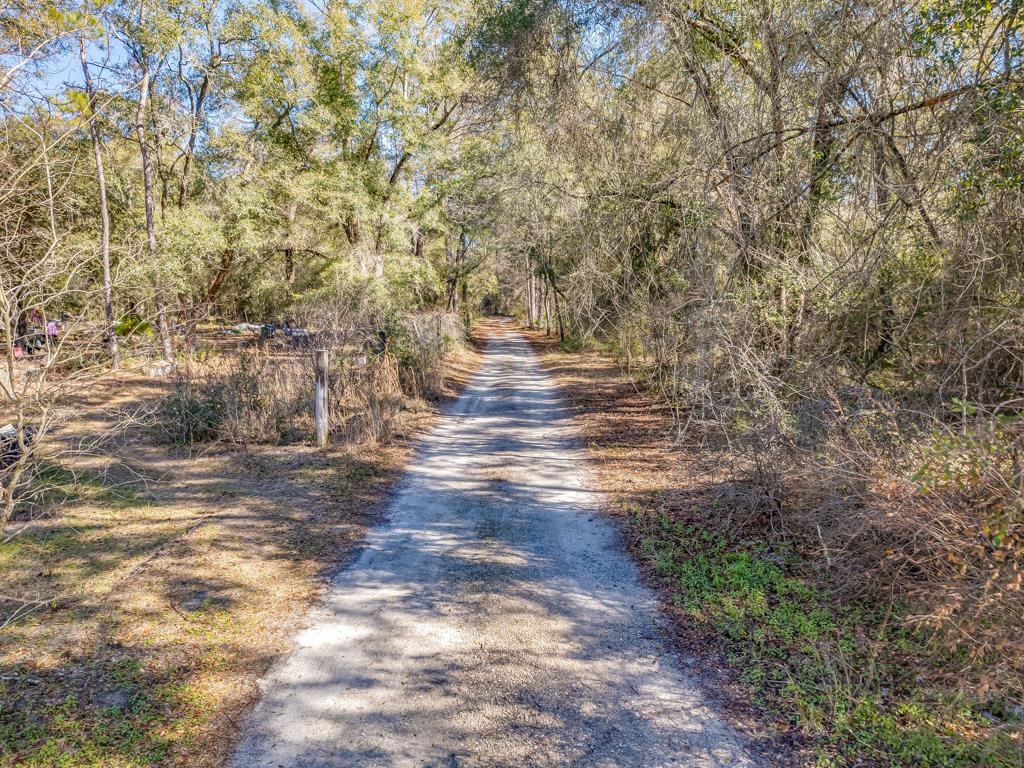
492	620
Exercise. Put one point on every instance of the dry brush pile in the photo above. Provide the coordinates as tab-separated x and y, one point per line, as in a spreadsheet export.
264	392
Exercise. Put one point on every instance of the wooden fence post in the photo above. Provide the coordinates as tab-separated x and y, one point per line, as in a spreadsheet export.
320	405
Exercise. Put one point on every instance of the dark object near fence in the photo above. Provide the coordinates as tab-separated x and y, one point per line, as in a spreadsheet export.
376	342
32	342
10	450
299	337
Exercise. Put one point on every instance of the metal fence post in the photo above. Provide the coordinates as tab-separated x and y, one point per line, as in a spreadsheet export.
320	405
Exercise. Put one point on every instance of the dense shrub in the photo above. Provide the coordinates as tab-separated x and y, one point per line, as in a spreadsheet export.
265	393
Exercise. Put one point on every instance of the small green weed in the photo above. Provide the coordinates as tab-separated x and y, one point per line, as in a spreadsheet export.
77	734
820	664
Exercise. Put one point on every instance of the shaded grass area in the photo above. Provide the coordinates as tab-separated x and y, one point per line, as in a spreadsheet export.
842	672
158	616
824	670
157	604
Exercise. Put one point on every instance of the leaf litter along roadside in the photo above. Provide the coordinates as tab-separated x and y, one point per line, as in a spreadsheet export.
803	665
165	600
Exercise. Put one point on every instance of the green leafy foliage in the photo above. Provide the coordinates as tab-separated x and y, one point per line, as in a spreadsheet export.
832	668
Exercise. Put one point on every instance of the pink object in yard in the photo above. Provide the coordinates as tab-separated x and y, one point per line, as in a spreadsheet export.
52	329
18	352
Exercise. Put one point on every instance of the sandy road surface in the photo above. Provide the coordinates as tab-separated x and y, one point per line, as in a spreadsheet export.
493	620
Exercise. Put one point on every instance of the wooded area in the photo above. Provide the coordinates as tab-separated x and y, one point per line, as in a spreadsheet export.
797	223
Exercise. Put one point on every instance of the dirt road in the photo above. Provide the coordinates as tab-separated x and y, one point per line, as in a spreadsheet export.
493	620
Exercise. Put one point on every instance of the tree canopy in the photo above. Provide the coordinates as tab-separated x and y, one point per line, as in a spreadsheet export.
766	211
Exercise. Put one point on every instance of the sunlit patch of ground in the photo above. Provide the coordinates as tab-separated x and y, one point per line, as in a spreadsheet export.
166	583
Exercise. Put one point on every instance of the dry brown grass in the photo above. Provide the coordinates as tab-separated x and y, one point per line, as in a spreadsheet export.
872	682
172	580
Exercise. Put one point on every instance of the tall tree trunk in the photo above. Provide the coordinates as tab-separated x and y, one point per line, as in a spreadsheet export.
227	261
352	230
558	313
101	181
289	244
147	187
547	310
464	298
824	152
418	243
190	148
289	265
529	289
